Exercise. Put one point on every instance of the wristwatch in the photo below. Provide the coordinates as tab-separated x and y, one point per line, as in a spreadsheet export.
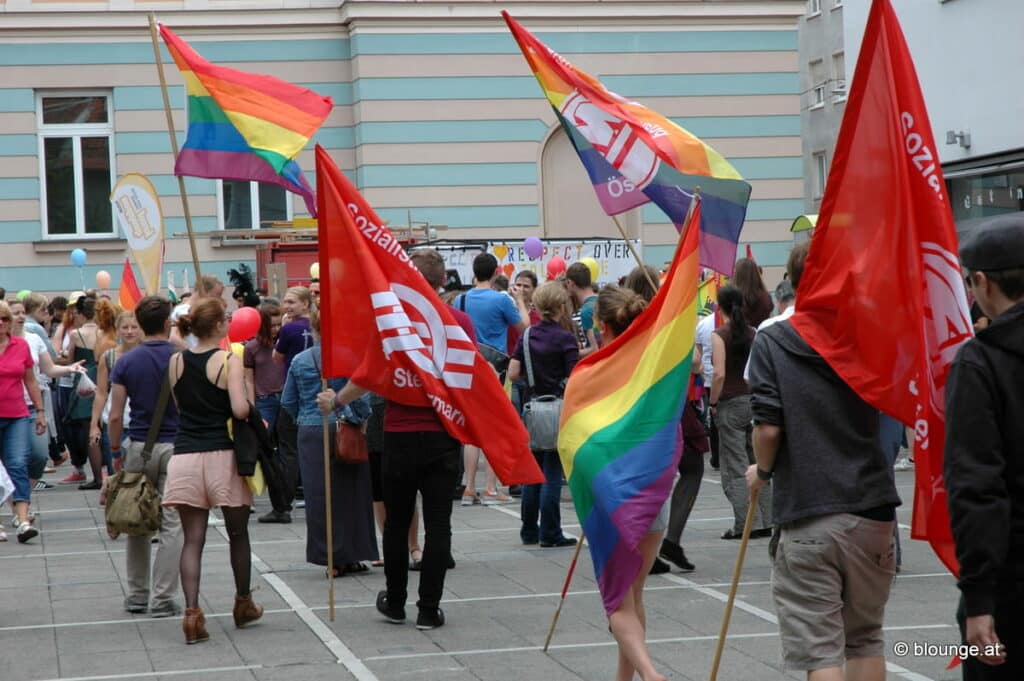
763	474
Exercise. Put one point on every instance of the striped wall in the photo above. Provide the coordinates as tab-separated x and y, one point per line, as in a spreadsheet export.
445	125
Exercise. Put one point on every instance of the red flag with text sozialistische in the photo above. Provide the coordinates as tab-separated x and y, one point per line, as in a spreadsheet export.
882	298
386	330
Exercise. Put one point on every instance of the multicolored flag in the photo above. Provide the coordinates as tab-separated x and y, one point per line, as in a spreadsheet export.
634	155
128	295
244	126
881	297
620	437
390	332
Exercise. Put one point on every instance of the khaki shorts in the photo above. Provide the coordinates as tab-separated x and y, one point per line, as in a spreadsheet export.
830	582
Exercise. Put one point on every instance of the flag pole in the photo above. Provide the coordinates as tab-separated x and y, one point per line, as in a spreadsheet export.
636	256
565	589
329	508
174	150
751	510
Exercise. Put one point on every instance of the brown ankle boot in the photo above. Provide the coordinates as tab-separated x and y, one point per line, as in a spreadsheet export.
194	626
246	612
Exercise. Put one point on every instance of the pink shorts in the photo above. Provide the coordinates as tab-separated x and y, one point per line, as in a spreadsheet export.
205	480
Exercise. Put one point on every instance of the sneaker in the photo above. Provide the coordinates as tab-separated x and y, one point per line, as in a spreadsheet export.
561	543
94	484
282	517
904	465
49	469
26	532
430	619
135	608
493	498
41	486
165	609
76	476
673	553
659	567
391	614
470	499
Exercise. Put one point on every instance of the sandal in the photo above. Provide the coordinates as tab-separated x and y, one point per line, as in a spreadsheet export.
339	571
356	568
415	563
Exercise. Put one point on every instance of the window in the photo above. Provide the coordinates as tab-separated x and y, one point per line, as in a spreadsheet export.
837	3
76	163
813	7
821	174
839	76
818	81
244	205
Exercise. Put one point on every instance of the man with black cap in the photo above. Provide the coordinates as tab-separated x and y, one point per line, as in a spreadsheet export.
984	454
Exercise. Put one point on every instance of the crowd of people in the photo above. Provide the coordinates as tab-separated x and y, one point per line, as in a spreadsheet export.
155	389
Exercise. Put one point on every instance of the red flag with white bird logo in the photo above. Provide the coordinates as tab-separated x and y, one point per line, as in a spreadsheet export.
386	330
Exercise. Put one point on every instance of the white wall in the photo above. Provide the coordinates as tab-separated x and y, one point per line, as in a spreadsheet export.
968	55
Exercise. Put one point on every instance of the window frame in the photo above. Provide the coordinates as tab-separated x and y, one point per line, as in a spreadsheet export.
254	205
813	8
820	159
839	79
76	131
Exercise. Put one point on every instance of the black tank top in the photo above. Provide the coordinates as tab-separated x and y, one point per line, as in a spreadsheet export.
203	408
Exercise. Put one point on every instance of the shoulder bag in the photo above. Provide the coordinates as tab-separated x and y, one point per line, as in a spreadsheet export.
133	503
542	413
349	439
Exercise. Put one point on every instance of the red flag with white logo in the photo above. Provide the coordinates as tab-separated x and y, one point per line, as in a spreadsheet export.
386	330
882	298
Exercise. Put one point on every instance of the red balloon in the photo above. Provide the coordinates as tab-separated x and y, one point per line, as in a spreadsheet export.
245	323
556	266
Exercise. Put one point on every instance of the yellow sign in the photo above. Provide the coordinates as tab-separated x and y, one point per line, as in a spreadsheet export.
137	207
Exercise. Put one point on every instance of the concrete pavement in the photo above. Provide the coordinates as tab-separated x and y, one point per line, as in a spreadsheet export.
61	596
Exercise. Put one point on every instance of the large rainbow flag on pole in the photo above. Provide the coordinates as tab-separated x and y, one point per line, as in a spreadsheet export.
634	155
620	437
245	126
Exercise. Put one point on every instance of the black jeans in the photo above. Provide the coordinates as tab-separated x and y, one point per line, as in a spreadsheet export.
282	496
426	462
1010	630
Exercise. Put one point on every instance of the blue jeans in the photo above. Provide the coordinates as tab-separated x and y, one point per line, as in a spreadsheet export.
545	499
15	437
268	406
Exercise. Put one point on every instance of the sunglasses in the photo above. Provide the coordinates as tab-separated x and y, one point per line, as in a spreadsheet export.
5	319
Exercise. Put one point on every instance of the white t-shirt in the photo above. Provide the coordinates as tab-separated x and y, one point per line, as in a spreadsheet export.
706	327
36	346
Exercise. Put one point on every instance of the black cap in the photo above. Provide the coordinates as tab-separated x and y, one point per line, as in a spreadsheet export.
995	244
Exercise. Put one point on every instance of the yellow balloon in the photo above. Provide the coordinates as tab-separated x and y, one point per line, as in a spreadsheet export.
238	349
314	271
592	266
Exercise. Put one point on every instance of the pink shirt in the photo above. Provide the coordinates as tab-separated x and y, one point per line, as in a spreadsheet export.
13	363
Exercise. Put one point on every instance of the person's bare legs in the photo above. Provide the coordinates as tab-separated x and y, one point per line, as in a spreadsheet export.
865	669
378	515
628	623
414	532
470	458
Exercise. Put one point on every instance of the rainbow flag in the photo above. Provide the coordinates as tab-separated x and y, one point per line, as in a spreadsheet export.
244	126
634	155
620	437
129	294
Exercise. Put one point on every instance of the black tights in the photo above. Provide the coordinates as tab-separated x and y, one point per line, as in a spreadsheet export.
194	523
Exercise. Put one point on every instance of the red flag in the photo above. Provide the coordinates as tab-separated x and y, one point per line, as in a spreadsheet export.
882	298
129	294
750	252
390	333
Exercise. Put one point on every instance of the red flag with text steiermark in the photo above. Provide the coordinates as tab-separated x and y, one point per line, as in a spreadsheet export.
882	298
386	330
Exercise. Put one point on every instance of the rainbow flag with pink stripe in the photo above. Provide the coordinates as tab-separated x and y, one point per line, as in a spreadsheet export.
244	126
634	155
620	437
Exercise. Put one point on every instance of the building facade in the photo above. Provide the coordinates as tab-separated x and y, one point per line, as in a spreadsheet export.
822	92
964	51
437	117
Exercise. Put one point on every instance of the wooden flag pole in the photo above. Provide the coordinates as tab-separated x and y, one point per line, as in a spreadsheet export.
565	589
751	510
329	508
174	150
636	256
